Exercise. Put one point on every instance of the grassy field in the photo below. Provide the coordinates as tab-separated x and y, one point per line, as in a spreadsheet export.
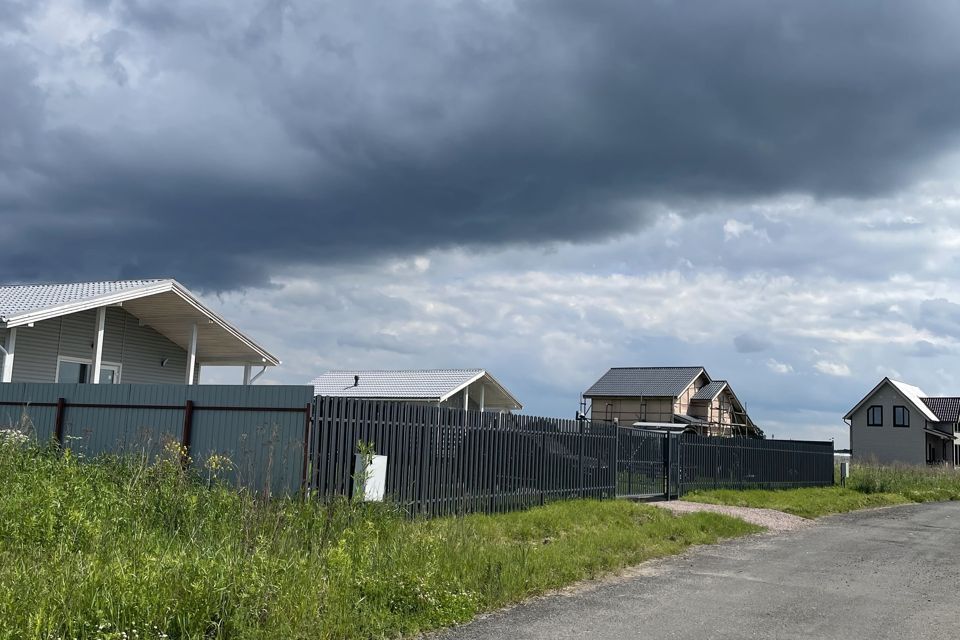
118	549
868	486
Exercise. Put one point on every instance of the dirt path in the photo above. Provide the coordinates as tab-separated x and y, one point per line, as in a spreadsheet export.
774	521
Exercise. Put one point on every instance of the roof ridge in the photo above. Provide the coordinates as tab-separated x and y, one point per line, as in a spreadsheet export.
672	366
82	282
401	370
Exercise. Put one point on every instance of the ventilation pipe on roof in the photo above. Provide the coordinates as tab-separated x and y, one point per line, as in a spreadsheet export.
356	381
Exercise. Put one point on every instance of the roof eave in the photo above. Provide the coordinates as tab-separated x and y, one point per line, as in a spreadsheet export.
182	291
162	286
67	308
484	373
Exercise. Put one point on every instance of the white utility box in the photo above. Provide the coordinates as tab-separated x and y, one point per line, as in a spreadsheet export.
844	473
370	480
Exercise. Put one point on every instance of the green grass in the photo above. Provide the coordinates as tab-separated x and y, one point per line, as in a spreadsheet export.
868	486
807	503
120	549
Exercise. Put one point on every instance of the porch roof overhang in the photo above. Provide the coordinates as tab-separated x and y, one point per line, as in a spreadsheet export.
940	434
172	311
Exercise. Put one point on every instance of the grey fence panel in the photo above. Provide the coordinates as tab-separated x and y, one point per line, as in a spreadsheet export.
444	461
29	408
717	463
262	429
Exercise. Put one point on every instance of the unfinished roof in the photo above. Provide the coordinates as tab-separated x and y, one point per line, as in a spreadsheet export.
427	385
644	381
163	304
945	408
710	391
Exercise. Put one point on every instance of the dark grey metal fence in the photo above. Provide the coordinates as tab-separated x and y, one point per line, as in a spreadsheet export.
440	461
445	461
741	463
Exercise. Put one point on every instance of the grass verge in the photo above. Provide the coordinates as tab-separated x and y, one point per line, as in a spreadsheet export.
807	503
121	549
868	486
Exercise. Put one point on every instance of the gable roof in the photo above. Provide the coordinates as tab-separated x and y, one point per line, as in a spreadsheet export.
164	304
913	395
20	300
644	381
710	391
947	409
428	385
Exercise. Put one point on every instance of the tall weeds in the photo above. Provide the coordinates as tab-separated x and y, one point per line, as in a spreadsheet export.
122	548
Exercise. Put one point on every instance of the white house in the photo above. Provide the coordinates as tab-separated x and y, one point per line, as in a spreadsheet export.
473	389
130	331
898	423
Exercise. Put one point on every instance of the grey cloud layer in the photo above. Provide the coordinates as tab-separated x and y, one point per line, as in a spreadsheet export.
219	141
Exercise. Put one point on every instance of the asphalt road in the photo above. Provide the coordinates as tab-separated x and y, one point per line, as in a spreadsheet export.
886	573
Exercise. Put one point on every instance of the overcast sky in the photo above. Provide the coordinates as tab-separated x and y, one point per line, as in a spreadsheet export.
542	188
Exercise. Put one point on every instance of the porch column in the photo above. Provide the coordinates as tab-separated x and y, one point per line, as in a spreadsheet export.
483	393
192	354
466	397
98	346
246	374
8	356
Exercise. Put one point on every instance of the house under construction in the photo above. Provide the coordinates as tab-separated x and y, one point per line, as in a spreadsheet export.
687	396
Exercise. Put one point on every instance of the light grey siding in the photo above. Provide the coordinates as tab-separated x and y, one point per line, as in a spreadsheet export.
35	358
138	350
888	444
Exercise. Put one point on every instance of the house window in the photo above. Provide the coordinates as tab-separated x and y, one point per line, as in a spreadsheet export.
901	417
875	416
77	370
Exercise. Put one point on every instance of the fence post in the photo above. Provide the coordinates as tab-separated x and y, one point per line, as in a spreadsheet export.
716	466
304	481
616	461
580	457
186	437
58	425
543	464
667	440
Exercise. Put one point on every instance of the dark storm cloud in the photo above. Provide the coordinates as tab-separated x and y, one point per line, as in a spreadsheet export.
225	140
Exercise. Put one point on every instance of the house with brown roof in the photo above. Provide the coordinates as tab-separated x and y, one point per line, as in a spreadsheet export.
672	398
897	423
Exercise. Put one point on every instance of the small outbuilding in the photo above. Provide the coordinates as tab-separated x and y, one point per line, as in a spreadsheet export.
130	331
473	389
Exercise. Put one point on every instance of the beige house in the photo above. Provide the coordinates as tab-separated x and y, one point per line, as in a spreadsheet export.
897	423
660	396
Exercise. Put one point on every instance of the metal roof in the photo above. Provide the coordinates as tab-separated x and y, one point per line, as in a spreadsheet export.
710	391
163	304
429	385
644	381
17	300
947	409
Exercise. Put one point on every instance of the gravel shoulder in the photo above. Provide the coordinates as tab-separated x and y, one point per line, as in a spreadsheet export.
774	521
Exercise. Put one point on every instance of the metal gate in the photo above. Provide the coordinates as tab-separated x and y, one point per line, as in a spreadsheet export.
648	464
